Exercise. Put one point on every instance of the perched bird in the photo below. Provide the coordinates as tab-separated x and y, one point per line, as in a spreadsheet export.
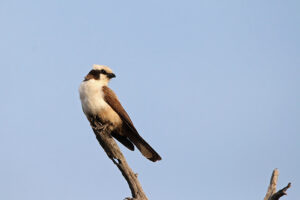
100	103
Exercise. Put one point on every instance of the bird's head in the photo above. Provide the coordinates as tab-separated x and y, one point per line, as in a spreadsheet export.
100	73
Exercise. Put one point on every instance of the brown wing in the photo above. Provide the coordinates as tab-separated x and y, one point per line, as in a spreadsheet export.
112	100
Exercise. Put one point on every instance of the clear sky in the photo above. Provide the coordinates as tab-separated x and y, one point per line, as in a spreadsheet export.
213	86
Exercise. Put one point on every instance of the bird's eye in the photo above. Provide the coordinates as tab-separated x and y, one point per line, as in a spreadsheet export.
103	71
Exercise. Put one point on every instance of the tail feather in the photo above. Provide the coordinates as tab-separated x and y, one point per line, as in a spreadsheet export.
124	140
144	147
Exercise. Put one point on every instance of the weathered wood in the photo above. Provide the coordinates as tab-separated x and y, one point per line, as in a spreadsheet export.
113	151
273	184
280	193
271	193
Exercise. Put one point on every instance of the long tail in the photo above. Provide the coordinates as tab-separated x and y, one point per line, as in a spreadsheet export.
124	140
144	147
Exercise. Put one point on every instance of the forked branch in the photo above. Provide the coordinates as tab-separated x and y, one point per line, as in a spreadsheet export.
113	151
271	193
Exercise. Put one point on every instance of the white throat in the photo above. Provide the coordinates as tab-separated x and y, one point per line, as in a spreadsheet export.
91	95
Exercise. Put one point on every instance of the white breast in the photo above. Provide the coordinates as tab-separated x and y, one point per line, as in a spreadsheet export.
93	103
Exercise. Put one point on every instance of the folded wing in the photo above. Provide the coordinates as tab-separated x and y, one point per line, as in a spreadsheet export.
132	134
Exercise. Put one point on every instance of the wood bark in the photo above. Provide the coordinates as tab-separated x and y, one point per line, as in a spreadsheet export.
103	135
271	193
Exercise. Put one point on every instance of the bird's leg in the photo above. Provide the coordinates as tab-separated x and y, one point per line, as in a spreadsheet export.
99	127
96	125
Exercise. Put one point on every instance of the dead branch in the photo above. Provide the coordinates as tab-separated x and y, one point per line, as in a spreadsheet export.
271	193
114	153
280	193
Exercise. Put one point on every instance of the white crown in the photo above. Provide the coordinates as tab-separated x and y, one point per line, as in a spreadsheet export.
99	67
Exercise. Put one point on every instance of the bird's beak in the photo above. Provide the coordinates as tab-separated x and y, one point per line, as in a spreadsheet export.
111	75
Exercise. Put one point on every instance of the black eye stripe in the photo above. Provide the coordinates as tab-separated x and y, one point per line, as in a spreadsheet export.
95	73
102	71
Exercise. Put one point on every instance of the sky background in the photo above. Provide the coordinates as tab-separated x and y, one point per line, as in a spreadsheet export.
213	86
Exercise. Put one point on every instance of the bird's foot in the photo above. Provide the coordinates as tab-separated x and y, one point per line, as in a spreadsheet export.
98	127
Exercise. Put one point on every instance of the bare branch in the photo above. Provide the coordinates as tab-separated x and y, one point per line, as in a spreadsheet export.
280	193
273	184
271	193
114	153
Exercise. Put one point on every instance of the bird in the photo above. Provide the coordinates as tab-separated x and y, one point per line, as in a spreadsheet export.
101	104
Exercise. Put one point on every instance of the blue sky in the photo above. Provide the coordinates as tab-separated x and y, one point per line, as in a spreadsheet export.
213	86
